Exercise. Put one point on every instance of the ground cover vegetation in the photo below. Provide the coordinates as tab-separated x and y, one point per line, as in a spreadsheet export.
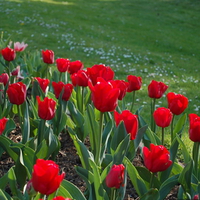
154	40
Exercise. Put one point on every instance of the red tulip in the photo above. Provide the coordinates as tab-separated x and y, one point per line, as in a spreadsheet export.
177	103
156	159
48	56
3	124
43	82
8	54
196	197
61	198
100	71
68	88
19	46
104	95
163	117
80	78
194	129
115	177
130	121
156	89
62	64
46	108
17	93
75	66
4	78
45	178
135	83
122	85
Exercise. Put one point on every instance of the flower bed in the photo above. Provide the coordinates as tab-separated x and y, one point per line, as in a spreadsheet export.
89	104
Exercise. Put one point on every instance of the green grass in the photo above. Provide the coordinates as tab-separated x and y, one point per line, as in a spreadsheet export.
153	39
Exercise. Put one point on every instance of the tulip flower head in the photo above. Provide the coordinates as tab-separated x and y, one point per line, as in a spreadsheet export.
104	95
80	78
177	103
163	117
62	64
8	54
135	83
194	129
130	121
19	46
156	89
3	124
4	78
122	85
48	56
43	82
115	177
75	66
100	71
17	93
58	87
157	158
46	108
45	177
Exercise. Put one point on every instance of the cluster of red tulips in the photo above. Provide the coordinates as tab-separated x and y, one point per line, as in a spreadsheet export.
96	86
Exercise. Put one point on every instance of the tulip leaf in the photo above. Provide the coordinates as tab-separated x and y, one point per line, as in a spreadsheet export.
119	134
10	125
13	183
69	190
105	137
185	152
82	150
26	123
42	150
98	186
185	177
5	144
180	125
5	196
146	176
151	194
167	185
136	179
121	150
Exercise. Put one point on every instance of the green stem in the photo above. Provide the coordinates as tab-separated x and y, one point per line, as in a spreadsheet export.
151	180
60	76
163	135
195	155
113	194
153	125
133	101
41	131
82	102
99	141
172	129
19	115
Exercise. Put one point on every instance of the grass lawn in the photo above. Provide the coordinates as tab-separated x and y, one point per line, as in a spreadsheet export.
154	39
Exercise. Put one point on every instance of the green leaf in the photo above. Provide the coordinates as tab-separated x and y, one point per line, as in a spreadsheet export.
180	124
136	179
140	135
185	177
121	150
145	174
185	152
151	194
5	144
42	150
10	125
4	196
82	150
99	191
69	190
167	185
26	124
